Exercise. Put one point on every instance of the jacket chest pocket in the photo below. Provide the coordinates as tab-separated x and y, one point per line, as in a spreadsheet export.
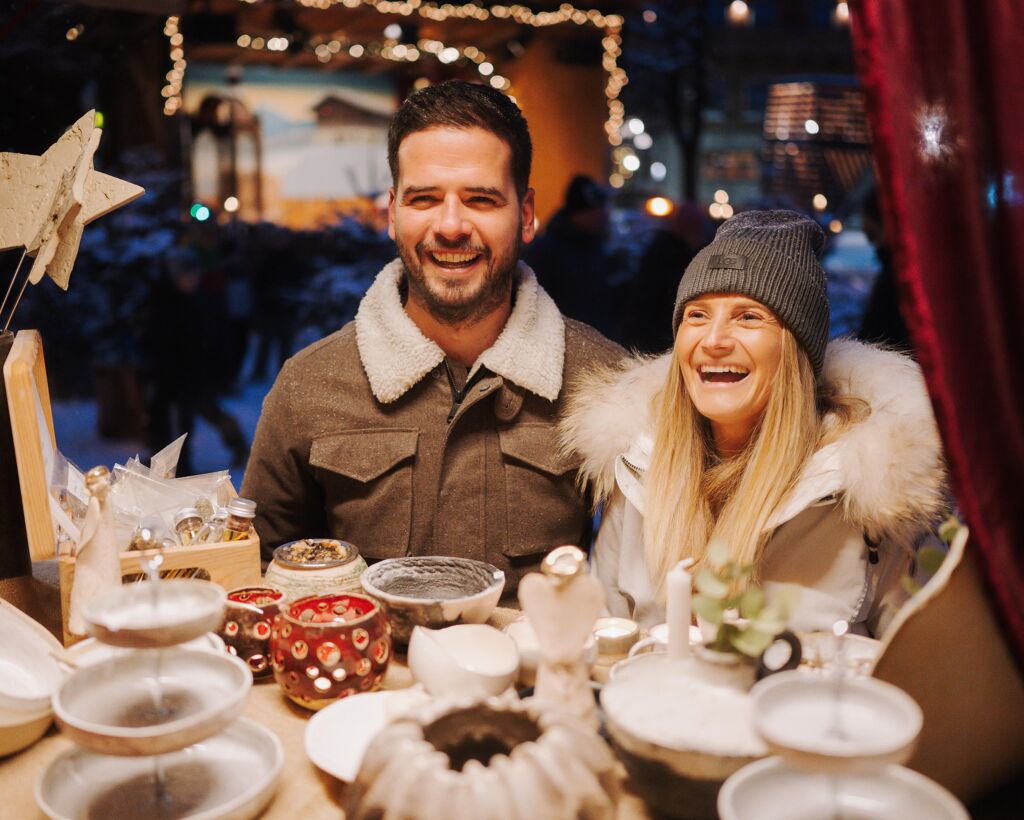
545	510
367	476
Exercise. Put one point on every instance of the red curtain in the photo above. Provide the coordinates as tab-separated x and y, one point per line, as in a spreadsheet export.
945	89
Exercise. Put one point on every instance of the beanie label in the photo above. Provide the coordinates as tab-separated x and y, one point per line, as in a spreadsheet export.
728	261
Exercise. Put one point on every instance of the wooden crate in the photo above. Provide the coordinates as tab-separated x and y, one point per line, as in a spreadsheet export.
230	564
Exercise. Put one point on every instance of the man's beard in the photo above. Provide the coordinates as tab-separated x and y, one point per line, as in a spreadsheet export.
461	303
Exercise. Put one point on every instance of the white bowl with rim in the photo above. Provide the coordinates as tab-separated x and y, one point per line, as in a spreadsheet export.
771	790
465	660
813	723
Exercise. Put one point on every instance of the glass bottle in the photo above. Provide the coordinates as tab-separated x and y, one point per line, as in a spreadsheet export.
213	530
187	524
241	512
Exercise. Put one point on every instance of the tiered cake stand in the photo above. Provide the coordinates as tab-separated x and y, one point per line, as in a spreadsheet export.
157	729
839	746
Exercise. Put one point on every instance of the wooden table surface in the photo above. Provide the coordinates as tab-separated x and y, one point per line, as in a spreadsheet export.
303	790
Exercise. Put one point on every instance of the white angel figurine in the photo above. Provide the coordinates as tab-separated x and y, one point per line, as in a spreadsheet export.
97	558
562	604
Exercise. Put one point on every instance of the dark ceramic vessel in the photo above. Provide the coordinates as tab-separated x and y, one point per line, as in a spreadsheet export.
248	618
328	647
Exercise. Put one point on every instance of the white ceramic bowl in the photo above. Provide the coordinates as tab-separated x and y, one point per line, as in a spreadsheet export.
770	790
141	617
466	660
19	731
29	673
90	651
874	724
112	708
433	591
230	775
680	730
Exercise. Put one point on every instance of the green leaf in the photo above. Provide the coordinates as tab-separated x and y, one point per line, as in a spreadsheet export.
751	602
929	559
948	529
770	620
707	608
710	584
752	642
718	554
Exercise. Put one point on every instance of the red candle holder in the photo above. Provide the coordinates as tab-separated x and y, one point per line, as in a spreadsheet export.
248	618
324	648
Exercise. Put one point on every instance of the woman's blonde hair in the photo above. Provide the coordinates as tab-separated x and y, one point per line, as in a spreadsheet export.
694	497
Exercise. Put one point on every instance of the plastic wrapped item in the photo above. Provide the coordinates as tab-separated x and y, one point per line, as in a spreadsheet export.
140	496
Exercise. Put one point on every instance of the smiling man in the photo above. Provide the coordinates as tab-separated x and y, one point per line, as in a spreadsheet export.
427	426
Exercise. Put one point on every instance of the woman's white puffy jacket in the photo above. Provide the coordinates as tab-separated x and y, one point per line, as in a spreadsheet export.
846	532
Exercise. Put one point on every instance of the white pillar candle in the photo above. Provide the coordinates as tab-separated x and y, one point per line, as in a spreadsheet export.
677	606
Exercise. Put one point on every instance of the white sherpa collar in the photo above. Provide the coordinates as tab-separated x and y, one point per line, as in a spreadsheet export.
887	467
530	351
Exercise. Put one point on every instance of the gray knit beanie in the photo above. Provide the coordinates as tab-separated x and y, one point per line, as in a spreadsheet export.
775	258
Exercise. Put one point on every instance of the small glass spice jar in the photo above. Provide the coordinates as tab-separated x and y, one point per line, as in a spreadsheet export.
187	524
241	512
212	531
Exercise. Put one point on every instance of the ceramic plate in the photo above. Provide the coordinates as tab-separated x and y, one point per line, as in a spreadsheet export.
769	790
337	737
90	651
232	774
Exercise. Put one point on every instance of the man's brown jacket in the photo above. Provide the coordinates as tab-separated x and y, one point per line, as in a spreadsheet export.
360	438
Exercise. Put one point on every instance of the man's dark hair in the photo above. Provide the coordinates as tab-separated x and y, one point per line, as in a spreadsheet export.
458	104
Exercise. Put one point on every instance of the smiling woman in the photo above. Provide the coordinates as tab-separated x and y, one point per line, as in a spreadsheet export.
818	463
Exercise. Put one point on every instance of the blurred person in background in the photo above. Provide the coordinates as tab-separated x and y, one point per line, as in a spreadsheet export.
186	338
882	322
648	300
573	262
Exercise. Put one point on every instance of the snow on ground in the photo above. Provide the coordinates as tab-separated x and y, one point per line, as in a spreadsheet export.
74	423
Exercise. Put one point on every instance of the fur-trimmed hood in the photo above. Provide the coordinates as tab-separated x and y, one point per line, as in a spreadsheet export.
887	468
395	355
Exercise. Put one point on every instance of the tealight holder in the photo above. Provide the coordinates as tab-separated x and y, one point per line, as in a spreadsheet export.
615	636
328	647
248	619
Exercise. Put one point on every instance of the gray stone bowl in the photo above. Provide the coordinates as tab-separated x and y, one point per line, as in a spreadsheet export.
433	591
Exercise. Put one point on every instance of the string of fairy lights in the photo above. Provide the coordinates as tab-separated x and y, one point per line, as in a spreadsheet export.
327	48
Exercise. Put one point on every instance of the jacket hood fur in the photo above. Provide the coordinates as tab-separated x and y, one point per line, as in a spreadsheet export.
530	351
889	465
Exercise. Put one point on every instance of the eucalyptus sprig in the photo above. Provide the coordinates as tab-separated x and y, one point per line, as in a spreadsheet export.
929	559
724	591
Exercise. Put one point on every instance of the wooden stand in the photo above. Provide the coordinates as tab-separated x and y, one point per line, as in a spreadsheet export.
230	564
